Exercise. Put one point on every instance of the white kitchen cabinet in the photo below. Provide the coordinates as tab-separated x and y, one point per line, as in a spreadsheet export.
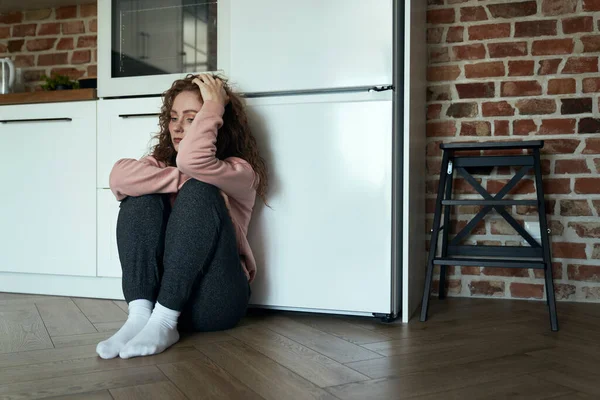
274	45
48	212
108	256
126	128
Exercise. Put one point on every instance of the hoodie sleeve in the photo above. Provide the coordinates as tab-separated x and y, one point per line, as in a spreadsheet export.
130	177
197	156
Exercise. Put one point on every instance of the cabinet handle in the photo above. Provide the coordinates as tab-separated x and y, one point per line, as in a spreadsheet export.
12	121
138	115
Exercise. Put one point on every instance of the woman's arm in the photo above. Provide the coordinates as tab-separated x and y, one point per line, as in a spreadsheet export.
130	177
197	155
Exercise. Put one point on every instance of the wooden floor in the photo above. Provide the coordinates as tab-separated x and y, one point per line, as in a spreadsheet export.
469	349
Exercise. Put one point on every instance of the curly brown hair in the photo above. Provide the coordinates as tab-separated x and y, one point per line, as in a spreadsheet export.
234	139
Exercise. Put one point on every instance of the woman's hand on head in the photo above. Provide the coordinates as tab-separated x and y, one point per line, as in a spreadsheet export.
211	89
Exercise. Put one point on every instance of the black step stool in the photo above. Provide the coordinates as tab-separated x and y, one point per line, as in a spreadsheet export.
452	253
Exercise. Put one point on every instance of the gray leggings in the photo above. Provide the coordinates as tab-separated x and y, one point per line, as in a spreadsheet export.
185	258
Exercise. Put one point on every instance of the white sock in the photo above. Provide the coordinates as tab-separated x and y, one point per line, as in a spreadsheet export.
139	313
159	334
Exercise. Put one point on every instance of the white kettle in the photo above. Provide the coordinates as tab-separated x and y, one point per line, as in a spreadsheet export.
7	76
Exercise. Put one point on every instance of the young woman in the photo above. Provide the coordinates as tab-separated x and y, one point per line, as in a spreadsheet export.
183	220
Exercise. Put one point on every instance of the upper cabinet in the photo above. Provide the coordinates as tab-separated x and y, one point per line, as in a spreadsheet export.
261	45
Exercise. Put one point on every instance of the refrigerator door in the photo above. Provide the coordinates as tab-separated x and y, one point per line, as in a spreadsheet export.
279	45
325	241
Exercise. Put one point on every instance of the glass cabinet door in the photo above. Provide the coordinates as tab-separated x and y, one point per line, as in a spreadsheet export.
156	37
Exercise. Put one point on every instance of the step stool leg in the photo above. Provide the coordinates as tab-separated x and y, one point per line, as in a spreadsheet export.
434	236
445	233
551	301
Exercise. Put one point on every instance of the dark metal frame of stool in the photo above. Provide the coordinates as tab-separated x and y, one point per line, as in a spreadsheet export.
537	256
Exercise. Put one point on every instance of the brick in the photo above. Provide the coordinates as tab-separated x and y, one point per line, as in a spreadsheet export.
591	44
65	44
586	273
469	14
576	106
526	290
38	15
87	41
589	125
591	293
575	208
92	71
513	9
597	163
501	227
568	250
515	49
587	185
591	5
433	149
536	106
457	1
51	28
441	16
501	128
93	26
592	146
556	271
469	52
462	110
571	167
4	32
586	229
591	85
521	68
563	291
72	73
596	251
439	93
453	286
521	88
517	272
66	12
24	30
525	186
580	65
476	128
3	48
443	73
24	61
489	31
485	70
438	55
535	28
497	109
470	270
433	166
558	7
549	67
561	86
433	111
557	126
81	57
434	35
475	90
463	187
560	146
52	59
578	24
88	10
487	288
33	75
445	128
524	127
557	186
552	46
73	27
40	44
455	34
11	17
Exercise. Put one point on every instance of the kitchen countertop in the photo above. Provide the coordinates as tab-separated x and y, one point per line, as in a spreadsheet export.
48	96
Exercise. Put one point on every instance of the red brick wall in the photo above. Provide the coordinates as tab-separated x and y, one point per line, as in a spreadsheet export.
60	40
522	69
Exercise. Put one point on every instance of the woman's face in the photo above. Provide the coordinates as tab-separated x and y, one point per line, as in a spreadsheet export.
185	107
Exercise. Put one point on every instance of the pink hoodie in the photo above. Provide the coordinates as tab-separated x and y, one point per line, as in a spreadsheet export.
196	159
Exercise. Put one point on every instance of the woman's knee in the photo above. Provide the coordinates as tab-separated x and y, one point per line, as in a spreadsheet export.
197	190
147	201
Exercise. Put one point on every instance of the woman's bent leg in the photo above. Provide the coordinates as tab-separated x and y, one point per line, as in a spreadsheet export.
140	239
200	242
